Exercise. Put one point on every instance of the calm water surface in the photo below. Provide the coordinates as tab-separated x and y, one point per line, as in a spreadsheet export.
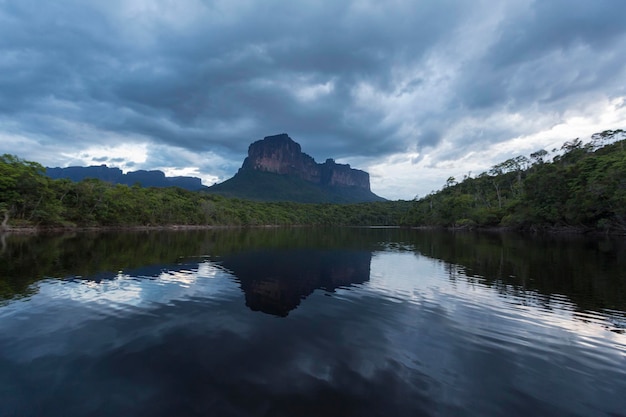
304	322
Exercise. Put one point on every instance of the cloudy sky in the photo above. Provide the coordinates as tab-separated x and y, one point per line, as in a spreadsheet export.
411	91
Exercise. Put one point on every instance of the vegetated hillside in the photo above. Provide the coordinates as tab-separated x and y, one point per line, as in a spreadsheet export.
30	198
276	169
582	188
267	186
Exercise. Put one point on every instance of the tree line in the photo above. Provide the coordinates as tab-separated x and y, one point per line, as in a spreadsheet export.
582	187
29	198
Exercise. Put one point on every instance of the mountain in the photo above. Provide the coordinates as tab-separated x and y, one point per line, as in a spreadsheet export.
276	169
116	176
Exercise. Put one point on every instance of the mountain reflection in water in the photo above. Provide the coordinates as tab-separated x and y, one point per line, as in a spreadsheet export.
309	322
275	281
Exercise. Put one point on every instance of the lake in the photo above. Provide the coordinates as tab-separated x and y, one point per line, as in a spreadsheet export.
312	322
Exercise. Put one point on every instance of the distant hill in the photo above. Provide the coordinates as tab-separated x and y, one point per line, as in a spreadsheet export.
116	176
276	169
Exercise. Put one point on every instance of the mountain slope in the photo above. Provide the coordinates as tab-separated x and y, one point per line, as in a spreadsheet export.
267	186
277	170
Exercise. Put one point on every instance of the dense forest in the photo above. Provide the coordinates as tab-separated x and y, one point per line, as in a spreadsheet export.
583	187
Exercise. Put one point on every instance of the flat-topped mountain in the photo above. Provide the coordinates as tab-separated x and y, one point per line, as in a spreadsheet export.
276	169
116	176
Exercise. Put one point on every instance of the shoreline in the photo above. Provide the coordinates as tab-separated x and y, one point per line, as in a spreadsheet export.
63	229
545	230
535	230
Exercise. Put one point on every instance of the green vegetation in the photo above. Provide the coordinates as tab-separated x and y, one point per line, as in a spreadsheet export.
29	198
583	187
266	186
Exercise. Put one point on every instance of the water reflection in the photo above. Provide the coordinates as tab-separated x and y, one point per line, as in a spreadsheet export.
407	323
288	264
581	274
589	271
275	281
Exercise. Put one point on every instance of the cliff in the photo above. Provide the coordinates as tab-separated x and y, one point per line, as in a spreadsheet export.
281	155
276	169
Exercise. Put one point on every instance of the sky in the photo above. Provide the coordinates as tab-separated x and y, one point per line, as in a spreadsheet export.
412	92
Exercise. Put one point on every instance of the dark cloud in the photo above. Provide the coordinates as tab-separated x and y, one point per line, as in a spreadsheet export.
428	137
558	25
549	52
346	80
185	85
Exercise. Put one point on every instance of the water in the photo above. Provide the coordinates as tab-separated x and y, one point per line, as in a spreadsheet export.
304	322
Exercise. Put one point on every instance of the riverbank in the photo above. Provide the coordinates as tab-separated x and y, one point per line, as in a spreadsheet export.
532	230
528	230
65	229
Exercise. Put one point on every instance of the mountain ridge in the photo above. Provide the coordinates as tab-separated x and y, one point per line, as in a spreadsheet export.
153	178
276	169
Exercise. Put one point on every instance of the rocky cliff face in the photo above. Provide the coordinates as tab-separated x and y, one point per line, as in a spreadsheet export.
281	155
342	175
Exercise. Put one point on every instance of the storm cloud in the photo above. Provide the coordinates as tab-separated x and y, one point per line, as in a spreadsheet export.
410	91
